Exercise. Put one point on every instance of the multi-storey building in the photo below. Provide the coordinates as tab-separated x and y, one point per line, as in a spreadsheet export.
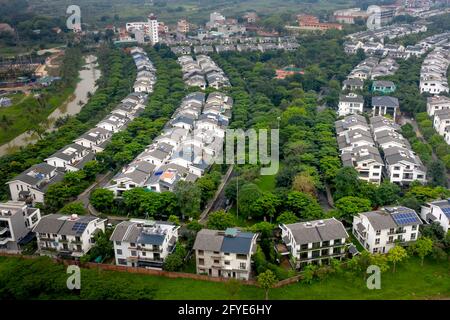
367	161
225	253
436	103
437	211
16	221
144	243
350	104
315	242
379	231
67	236
404	166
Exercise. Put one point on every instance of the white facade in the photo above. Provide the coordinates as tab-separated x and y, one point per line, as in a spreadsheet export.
315	242
16	222
436	103
144	243
218	254
350	104
379	231
437	211
404	166
441	121
69	236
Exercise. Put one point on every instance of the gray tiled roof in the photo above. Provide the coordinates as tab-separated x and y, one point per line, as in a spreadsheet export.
390	102
215	240
330	229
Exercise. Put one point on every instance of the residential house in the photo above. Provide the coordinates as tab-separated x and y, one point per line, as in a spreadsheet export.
379	231
350	104
17	220
95	139
353	84
67	236
367	161
315	242
32	184
71	158
441	121
383	105
144	243
225	253
404	166
382	86
436	103
133	176
437	211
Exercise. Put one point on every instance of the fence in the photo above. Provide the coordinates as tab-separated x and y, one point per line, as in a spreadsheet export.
153	272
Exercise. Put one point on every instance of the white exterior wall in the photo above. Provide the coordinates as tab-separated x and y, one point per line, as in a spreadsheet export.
384	241
397	171
123	250
58	243
436	211
346	108
213	262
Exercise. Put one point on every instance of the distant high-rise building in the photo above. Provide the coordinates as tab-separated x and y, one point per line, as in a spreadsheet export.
153	28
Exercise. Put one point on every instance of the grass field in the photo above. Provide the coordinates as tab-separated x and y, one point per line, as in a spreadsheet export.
25	113
410	281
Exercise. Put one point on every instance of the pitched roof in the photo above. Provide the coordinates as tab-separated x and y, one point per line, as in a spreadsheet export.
387	101
317	231
214	240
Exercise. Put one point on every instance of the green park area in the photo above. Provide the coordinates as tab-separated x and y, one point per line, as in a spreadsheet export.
40	278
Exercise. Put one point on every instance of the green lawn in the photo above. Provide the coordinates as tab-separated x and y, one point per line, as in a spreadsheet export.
411	281
26	112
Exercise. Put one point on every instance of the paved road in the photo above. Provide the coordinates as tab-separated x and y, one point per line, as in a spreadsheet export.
219	200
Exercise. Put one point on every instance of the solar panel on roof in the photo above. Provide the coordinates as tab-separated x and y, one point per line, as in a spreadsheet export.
405	218
446	211
79	227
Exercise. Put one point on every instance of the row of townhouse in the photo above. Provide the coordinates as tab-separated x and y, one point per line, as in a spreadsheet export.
219	48
358	149
391	32
438	108
433	74
32	184
234	39
434	41
393	51
190	141
202	72
372	68
360	144
352	103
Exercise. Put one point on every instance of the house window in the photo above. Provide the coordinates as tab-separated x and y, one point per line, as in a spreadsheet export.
144	253
133	253
377	241
414	227
241	256
118	243
242	265
413	236
200	252
201	262
304	247
132	244
119	251
227	263
336	250
375	250
378	232
216	261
